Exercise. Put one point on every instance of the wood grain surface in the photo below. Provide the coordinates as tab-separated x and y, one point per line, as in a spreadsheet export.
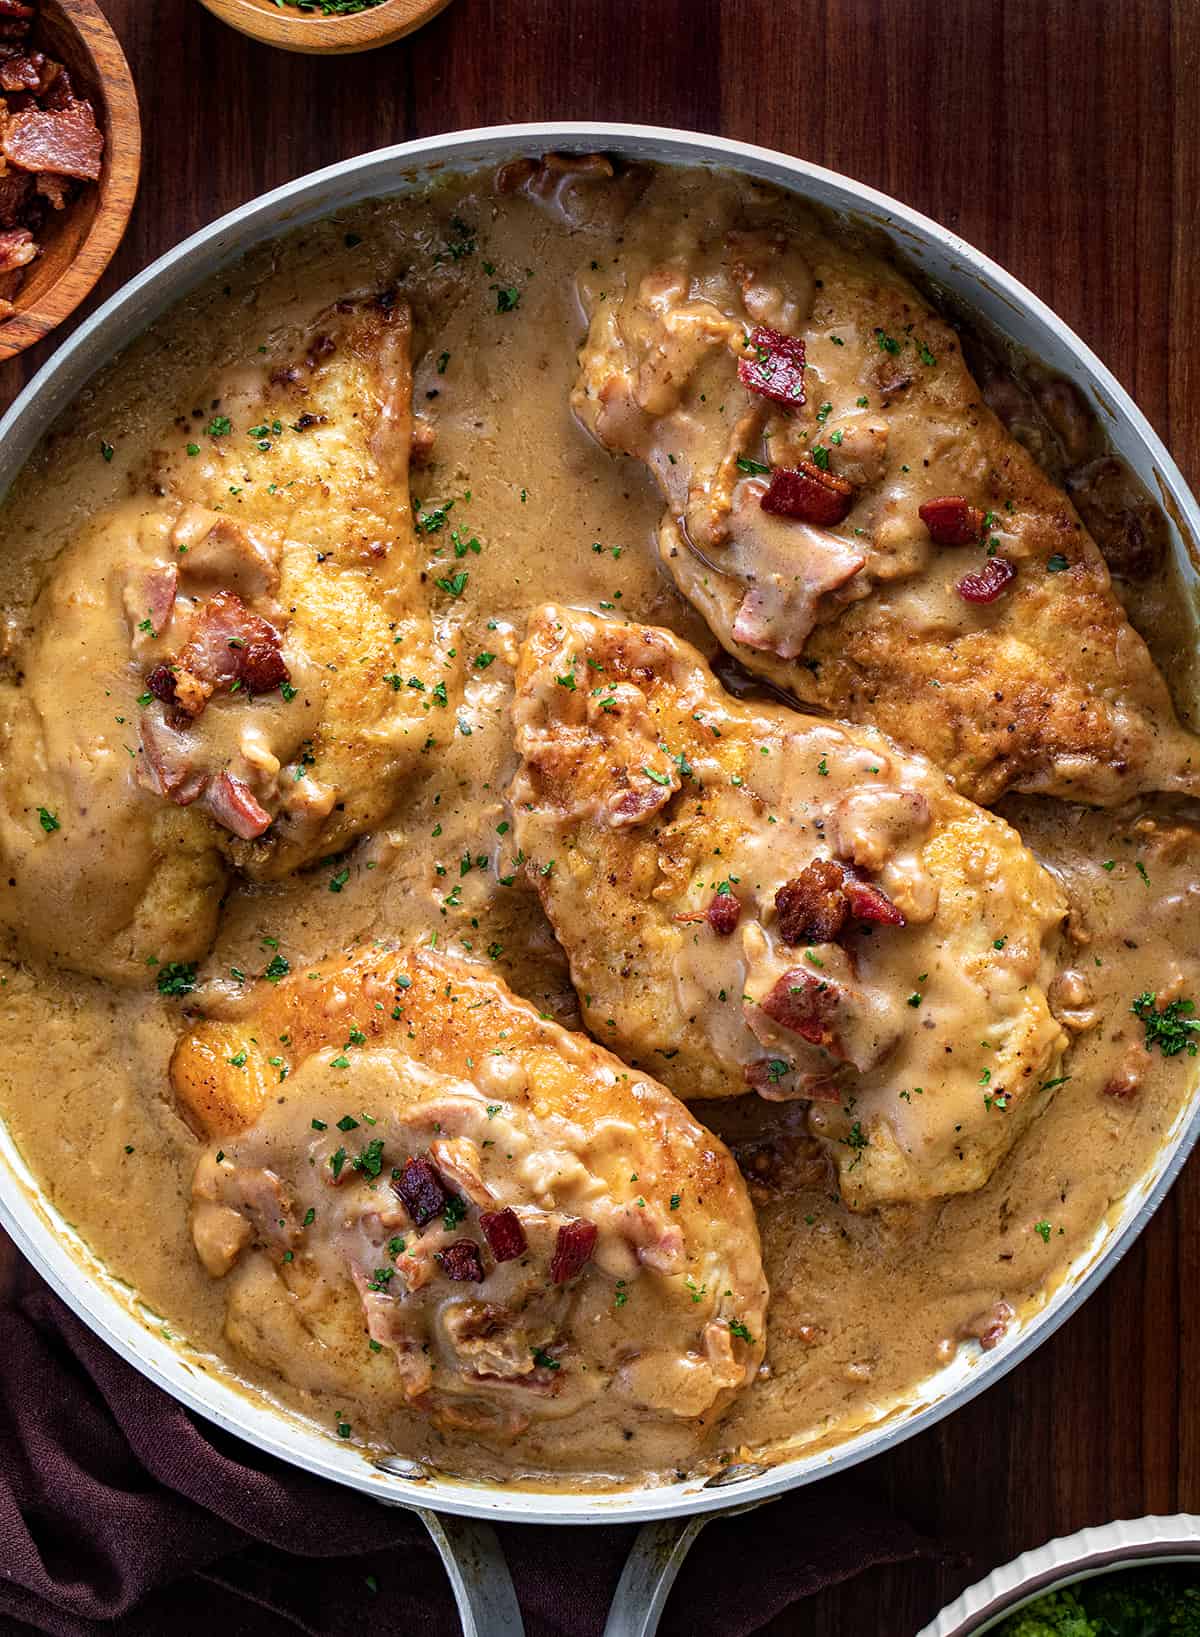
1062	139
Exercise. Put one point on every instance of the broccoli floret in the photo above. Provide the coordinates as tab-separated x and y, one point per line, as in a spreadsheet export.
1060	1614
1146	1605
1164	1603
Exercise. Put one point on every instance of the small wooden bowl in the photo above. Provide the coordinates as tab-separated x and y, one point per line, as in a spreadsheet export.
300	31
77	243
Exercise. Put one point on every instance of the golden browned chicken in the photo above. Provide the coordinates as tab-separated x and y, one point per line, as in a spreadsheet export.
232	668
401	1149
754	898
852	520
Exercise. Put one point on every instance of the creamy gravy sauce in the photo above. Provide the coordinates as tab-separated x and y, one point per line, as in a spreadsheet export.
863	1306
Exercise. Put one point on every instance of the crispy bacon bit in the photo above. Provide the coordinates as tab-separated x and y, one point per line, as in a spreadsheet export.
572	1249
774	367
228	645
232	803
724	913
17	249
16	188
952	521
805	1005
809	494
421	1191
165	766
461	1261
989	1328
66	142
870	903
986	585
161	683
23	72
504	1233
1123	1086
56	189
768	1074
812	906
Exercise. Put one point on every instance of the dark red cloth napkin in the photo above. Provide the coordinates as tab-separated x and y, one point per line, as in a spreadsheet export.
120	1513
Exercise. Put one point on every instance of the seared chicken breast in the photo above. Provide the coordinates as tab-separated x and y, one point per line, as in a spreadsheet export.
852	520
219	670
752	898
432	1196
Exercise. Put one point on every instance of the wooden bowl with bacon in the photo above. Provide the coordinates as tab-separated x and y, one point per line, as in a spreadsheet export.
70	155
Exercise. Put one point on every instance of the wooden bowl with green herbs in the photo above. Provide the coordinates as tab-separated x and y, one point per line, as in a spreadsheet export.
328	26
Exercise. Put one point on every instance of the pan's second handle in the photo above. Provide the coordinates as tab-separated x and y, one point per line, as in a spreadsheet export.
474	1559
649	1573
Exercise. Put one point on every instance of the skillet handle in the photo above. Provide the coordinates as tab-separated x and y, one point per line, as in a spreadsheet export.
479	1577
650	1570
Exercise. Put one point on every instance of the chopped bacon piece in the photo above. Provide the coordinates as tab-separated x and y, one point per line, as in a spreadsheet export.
166	765
870	903
16	8
17	249
812	906
55	188
809	494
504	1233
774	367
66	142
228	645
15	190
60	93
158	596
421	1191
161	683
724	913
806	1005
951	521
23	72
572	1249
1123	1086
767	1073
232	803
986	585
461	1261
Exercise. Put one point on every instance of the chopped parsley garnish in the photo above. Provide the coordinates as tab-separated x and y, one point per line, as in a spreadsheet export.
338	881
370	1161
508	297
545	1360
739	1330
276	969
219	426
48	820
177	978
754	468
1042	1229
455	584
1057	563
336	1161
1172	1028
658	778
456	1210
106	449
